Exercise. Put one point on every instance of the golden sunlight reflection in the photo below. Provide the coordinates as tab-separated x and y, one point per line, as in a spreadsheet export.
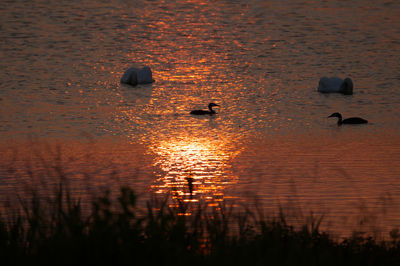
194	169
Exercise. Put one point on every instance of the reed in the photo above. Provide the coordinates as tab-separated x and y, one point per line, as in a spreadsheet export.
57	231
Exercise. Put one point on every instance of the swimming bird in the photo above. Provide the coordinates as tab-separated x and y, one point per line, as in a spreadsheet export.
190	185
134	76
351	120
334	84
205	112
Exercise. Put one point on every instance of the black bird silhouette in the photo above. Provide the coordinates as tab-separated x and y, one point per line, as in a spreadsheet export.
190	185
351	120
205	112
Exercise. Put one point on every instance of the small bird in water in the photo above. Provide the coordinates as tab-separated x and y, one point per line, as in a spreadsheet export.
205	112
190	185
351	120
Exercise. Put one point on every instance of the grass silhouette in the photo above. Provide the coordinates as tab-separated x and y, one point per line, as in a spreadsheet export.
57	231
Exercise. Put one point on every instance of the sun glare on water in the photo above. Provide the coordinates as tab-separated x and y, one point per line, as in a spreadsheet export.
194	169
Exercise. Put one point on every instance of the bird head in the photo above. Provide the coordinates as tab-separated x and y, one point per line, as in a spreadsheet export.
347	86
336	115
212	105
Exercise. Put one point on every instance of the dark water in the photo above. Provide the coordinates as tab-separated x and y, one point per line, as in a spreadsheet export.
260	60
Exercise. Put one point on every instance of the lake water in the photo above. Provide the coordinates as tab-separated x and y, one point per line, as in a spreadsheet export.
271	143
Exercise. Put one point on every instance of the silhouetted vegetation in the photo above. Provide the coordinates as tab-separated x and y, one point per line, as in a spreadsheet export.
60	232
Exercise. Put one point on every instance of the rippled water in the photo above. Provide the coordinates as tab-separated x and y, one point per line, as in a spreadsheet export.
259	60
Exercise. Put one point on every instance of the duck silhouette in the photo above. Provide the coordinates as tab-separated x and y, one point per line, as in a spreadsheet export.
210	111
351	120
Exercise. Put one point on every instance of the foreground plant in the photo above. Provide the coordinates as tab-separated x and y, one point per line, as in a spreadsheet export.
58	231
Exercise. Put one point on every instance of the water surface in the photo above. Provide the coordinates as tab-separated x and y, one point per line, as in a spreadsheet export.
260	60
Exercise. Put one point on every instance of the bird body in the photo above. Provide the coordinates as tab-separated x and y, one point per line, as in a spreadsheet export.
327	85
134	76
210	111
351	120
202	112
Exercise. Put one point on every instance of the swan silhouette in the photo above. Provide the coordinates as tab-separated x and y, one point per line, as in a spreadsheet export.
134	76
327	85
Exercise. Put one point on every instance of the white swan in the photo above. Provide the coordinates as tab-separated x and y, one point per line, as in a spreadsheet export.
134	76
335	84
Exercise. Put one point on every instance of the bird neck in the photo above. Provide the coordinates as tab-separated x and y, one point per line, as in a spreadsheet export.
211	110
339	121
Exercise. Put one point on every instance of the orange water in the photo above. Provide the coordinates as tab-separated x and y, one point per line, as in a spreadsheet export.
259	60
